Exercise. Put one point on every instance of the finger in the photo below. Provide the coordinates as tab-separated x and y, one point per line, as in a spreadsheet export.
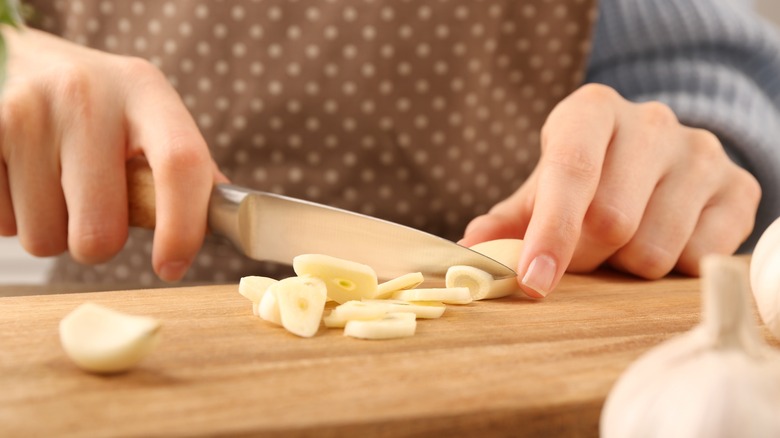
7	220
724	225
574	143
632	169
92	157
491	226
672	214
160	126
32	173
506	220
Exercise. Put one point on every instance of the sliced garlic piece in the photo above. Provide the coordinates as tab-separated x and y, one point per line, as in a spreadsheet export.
406	281
253	288
356	310
268	309
423	309
301	304
334	321
345	280
392	325
448	295
362	310
476	280
103	340
505	251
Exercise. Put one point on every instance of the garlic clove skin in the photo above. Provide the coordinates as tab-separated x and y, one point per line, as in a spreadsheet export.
766	292
765	277
103	340
718	380
686	403
679	390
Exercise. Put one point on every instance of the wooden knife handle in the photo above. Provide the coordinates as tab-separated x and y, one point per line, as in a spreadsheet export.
140	193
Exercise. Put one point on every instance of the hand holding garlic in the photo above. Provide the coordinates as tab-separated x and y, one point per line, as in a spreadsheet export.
623	184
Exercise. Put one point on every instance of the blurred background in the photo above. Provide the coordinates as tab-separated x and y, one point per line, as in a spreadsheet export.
770	9
16	267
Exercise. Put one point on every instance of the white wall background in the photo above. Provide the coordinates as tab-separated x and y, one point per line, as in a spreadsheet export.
17	267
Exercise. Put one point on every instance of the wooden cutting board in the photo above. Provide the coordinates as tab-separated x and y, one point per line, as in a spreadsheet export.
507	367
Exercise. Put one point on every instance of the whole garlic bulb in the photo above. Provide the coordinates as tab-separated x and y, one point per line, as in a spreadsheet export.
765	277
718	380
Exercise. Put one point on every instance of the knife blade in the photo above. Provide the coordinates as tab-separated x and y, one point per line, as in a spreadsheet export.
270	227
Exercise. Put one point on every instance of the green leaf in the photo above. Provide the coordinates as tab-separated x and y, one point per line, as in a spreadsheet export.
10	13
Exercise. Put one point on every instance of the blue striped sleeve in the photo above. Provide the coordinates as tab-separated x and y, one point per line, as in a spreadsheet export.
716	63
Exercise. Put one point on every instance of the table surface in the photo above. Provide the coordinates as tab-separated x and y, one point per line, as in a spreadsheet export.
506	367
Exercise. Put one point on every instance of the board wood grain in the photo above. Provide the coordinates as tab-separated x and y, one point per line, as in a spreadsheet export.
507	367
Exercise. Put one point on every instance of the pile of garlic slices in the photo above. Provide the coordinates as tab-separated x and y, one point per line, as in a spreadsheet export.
367	309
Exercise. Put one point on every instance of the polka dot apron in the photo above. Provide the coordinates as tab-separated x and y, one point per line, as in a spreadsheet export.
425	113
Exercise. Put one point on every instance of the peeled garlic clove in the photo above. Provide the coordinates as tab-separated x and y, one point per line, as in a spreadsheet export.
505	251
103	340
718	380
406	281
765	277
346	280
476	280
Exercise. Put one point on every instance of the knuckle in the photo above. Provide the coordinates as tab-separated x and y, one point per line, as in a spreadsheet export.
706	145
21	110
184	151
140	69
597	93
651	263
706	153
657	114
610	225
74	84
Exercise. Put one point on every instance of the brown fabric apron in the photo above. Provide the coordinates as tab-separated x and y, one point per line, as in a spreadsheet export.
425	113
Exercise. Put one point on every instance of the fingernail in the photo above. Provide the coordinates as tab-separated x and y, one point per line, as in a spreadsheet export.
540	275
173	271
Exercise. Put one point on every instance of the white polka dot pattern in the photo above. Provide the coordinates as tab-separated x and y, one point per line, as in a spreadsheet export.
421	112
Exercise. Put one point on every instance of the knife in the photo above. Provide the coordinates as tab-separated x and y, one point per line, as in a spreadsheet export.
270	227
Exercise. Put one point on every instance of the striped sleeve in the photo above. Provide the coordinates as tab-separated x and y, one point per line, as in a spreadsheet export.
716	63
